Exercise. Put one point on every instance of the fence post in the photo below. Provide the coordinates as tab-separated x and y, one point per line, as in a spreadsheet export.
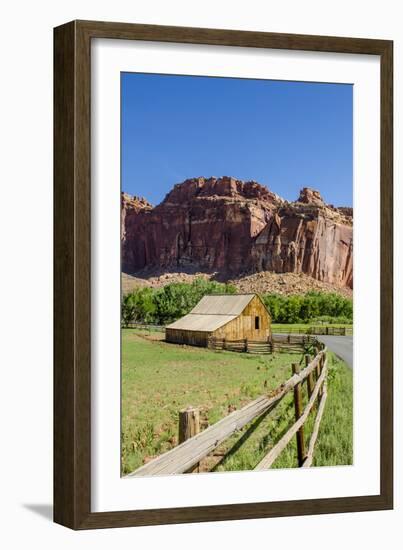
298	412
246	345
322	362
224	346
318	366
310	382
189	426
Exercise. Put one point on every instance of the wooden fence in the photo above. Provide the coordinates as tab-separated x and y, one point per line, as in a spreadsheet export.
196	444
319	330
132	324
308	330
295	343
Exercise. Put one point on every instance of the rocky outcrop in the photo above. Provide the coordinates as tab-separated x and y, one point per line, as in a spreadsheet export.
232	227
307	239
132	211
310	196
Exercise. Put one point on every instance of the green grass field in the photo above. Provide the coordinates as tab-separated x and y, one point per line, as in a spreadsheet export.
159	379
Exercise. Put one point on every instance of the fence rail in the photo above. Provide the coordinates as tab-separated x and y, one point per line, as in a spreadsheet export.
187	455
319	330
288	343
275	452
132	324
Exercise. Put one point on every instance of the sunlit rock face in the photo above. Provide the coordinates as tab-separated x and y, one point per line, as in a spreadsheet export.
233	227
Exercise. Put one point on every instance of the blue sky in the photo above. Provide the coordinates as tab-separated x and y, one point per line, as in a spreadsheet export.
285	135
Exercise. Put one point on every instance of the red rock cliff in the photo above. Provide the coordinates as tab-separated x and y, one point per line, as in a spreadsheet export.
234	227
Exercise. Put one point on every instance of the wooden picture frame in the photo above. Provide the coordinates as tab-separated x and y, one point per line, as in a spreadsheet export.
72	272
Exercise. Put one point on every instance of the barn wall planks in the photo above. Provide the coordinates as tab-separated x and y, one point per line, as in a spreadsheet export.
244	325
189	337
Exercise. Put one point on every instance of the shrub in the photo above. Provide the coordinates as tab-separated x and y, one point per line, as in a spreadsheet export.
311	307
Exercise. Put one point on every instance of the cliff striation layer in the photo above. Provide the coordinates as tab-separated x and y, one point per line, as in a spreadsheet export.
232	227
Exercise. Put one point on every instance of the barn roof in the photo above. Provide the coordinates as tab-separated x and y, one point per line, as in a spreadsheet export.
222	304
212	312
202	323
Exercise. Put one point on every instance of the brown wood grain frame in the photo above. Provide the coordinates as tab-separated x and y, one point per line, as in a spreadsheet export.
72	270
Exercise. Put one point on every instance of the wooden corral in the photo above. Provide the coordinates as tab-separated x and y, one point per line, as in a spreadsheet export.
229	316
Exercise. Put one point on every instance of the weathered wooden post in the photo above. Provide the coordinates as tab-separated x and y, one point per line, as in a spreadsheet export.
246	345
322	363
224	346
298	412
318	364
189	423
310	381
189	426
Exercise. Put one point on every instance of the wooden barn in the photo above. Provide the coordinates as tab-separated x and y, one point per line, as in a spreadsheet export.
229	316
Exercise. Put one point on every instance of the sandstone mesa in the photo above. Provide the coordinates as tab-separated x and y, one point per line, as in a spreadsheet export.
233	228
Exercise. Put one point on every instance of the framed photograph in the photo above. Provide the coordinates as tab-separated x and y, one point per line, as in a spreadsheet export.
222	275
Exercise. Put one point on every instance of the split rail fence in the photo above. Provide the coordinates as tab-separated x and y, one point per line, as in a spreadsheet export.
278	343
133	324
308	330
195	445
320	330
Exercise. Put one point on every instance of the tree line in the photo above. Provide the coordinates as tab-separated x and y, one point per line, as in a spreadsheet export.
164	305
311	307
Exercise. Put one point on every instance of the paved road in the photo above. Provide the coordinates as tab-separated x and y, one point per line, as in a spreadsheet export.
341	345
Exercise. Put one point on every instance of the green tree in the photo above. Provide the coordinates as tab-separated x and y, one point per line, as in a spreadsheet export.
139	306
308	307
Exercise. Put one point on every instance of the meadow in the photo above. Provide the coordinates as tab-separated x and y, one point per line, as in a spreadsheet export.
159	379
